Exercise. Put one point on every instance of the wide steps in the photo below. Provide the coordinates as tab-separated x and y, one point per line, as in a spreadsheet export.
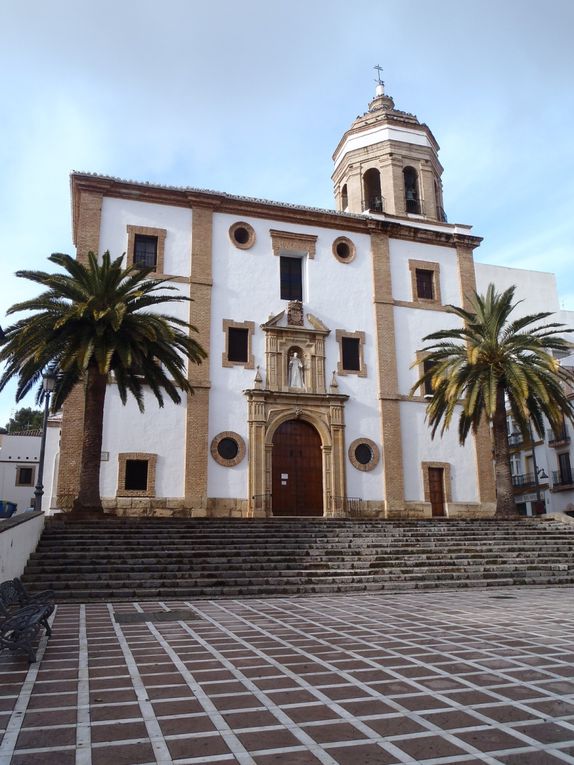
121	559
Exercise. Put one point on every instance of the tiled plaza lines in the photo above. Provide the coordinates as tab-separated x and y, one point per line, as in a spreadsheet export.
346	616
368	732
83	737
247	683
158	743
224	729
14	726
342	633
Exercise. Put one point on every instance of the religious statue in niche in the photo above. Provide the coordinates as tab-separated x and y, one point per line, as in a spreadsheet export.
296	372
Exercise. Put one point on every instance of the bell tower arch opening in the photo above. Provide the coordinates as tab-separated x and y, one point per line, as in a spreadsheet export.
412	199
372	196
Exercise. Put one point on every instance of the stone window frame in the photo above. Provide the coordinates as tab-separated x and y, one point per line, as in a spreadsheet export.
160	233
447	479
250	231
375	454
123	458
421	357
350	244
426	265
19	480
290	243
240	451
360	336
250	327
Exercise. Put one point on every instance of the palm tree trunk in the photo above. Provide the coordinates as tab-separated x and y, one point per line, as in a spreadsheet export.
88	499
505	504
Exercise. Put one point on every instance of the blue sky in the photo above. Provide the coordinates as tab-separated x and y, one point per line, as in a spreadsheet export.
252	97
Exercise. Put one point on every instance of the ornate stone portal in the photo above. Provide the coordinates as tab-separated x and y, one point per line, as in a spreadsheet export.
289	342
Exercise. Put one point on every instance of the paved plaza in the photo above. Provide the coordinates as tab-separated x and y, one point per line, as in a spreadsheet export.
480	676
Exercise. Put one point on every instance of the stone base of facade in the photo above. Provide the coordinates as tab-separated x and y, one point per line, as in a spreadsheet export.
416	510
219	507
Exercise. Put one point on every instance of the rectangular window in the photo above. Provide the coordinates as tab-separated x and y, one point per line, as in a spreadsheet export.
291	278
565	468
237	344
24	476
350	351
425	284
145	251
136	475
427	367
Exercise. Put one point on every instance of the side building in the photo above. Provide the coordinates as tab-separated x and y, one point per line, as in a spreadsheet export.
312	320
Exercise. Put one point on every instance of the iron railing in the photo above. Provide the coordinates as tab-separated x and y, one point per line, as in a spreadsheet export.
562	477
558	438
526	479
347	507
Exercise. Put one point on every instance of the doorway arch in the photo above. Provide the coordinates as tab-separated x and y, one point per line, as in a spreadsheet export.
297	470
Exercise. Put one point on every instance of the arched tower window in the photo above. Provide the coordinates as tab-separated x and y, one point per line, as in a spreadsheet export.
412	201
372	196
440	213
344	198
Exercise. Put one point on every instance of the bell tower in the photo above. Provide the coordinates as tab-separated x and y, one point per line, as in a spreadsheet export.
387	162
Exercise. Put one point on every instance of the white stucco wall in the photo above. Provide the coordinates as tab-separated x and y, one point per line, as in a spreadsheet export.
246	287
536	288
158	431
18	451
17	543
117	214
401	251
418	447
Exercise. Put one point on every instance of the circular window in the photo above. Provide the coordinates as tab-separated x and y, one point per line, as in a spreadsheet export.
228	448
364	454
242	235
344	249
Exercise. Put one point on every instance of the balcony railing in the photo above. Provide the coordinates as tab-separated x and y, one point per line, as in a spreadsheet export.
562	478
514	439
526	479
558	438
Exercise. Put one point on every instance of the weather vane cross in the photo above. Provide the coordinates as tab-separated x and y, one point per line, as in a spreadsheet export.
379	70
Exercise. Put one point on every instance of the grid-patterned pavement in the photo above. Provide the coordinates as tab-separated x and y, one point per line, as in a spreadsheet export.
483	676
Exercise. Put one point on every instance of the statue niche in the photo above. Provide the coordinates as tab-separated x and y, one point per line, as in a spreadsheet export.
295	355
296	371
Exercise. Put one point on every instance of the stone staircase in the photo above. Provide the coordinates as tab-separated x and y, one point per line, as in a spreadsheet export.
126	559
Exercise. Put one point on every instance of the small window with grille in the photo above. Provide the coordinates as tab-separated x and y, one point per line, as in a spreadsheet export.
145	251
425	286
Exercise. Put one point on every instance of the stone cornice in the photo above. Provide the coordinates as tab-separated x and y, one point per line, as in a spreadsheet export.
260	208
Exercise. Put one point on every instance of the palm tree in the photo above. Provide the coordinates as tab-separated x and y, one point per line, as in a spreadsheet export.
493	364
89	323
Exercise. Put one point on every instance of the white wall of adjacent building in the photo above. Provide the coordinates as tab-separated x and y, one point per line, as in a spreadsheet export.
18	451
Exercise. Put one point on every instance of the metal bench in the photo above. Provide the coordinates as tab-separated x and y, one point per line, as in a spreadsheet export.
22	615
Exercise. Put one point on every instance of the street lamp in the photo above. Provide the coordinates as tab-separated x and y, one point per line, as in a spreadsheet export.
538	474
48	385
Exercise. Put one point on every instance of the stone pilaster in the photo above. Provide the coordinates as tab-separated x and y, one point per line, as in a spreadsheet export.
197	430
388	378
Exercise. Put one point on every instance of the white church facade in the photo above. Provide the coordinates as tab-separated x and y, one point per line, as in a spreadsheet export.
312	320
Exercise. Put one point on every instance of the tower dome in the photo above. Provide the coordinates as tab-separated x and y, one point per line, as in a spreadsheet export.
387	162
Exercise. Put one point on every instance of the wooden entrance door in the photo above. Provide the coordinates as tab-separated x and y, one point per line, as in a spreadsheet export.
297	470
436	491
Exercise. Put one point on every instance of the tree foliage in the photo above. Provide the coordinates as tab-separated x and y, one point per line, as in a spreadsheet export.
24	418
92	322
492	363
